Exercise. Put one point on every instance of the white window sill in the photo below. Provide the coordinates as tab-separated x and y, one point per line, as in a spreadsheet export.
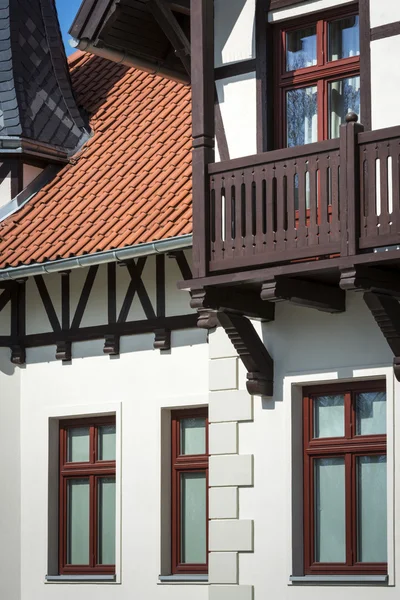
188	579
339	579
80	579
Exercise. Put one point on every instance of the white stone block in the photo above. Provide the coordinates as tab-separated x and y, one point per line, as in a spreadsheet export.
223	374
231	470
223	567
223	438
220	346
230	592
230	406
235	535
223	503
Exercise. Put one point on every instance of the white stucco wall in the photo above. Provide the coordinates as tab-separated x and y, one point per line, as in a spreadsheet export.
385	82
10	486
30	173
234	27
5	190
383	12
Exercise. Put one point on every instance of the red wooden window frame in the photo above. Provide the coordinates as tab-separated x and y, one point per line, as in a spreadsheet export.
182	463
350	447
94	469
319	75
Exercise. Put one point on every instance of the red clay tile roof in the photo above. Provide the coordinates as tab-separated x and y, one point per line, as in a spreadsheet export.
131	182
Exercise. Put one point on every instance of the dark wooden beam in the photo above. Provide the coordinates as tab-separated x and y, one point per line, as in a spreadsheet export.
182	6
183	264
84	297
47	303
162	339
370	279
252	352
386	312
64	351
242	302
311	294
169	24
111	344
18	323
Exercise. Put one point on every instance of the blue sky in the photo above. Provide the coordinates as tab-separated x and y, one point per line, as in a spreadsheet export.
67	10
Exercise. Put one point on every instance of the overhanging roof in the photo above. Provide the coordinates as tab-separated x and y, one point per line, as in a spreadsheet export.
154	31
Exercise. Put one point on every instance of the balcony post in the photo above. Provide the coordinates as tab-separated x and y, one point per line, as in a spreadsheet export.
202	69
350	185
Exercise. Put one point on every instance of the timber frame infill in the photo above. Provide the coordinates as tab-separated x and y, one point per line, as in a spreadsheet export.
65	329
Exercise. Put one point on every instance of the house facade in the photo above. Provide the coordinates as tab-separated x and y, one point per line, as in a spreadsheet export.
212	413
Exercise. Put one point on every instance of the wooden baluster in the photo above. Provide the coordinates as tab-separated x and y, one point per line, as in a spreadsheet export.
291	233
372	216
313	224
396	187
363	194
248	241
280	173
238	213
336	208
229	195
218	244
211	215
260	237
270	175
302	231
385	218
323	200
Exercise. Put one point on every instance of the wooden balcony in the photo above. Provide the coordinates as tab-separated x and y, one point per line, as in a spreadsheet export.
322	201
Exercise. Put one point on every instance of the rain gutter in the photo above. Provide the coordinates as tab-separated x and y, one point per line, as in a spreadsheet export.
123	58
98	258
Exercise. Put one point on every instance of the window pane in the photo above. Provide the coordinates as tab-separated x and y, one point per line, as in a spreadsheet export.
106	524
344	38
193	435
193	518
106	442
301	116
328	416
370	413
78	444
301	48
329	510
78	493
344	97
372	528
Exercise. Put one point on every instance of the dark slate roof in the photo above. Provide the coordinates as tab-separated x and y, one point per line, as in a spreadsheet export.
36	98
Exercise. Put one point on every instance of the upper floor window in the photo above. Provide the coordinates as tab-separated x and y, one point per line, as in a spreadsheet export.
318	77
345	506
189	490
87	496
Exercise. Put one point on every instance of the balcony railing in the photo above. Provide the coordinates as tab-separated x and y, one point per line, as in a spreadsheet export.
332	198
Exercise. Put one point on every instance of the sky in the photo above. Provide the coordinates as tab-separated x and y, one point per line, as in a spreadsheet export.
67	10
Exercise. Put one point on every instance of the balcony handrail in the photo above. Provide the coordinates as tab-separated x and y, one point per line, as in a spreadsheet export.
379	135
274	156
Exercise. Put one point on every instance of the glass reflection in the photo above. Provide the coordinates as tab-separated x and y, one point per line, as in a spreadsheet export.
301	48
301	115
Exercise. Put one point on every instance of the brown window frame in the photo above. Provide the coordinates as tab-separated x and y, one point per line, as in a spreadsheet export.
320	75
350	447
182	463
93	469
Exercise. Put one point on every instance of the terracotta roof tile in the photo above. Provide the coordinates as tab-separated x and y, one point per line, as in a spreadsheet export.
129	184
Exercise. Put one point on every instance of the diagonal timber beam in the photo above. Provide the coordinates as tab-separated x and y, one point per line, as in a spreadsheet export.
252	352
386	311
311	294
169	24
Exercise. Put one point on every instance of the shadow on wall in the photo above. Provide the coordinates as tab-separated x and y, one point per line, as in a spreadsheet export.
226	26
128	344
6	366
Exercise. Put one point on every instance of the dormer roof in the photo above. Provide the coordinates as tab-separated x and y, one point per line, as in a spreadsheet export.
38	111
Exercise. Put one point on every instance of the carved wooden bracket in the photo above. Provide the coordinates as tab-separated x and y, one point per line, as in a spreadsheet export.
212	300
370	279
252	352
311	294
18	354
162	339
111	344
63	351
386	311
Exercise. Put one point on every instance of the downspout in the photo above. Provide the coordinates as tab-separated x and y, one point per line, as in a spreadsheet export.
129	60
99	258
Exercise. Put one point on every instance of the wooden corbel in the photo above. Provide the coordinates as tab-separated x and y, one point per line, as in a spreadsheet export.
111	344
252	352
64	351
18	354
312	294
386	311
209	301
370	279
162	339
